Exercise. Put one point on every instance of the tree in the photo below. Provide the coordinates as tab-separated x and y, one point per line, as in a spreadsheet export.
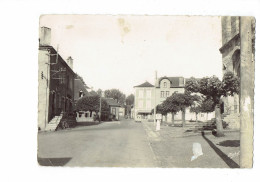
212	88
130	99
207	106
99	92
115	94
196	109
182	101
92	103
204	105
171	106
161	109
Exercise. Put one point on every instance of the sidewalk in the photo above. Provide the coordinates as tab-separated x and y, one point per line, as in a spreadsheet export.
167	131
173	147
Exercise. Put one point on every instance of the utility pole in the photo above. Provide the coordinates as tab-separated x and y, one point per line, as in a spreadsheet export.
154	119
101	95
247	69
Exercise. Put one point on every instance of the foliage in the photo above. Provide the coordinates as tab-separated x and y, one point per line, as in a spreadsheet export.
213	88
115	94
130	99
99	92
207	105
91	103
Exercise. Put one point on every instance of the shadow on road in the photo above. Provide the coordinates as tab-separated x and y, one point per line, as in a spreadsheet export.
221	154
229	143
53	161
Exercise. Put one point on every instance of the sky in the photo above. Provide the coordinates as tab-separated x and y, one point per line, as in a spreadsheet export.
112	51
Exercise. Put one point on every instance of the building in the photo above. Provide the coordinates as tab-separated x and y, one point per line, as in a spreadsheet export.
80	89
144	100
56	84
147	96
114	107
122	112
230	51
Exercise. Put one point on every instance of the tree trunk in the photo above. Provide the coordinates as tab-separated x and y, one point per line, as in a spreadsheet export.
183	117
172	118
196	117
220	132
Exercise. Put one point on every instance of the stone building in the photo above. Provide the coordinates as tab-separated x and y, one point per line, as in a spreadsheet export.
230	51
56	84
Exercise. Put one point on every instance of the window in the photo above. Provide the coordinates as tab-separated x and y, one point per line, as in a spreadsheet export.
141	94
167	93
162	94
81	93
114	111
165	84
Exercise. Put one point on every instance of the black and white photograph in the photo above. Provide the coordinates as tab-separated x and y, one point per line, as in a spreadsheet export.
146	91
133	90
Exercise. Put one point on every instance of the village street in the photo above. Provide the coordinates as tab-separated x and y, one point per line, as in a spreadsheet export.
126	143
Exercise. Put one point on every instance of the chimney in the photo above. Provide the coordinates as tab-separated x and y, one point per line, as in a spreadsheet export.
45	36
70	62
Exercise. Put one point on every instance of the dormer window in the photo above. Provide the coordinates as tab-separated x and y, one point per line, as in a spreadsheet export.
165	84
80	94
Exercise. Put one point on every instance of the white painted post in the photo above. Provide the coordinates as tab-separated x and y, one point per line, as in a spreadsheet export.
158	124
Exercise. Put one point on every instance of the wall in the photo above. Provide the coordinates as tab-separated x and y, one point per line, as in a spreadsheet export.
230	51
160	99
43	90
147	99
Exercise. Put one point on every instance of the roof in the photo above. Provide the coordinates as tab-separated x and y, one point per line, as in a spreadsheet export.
79	86
112	102
53	51
92	93
175	81
145	84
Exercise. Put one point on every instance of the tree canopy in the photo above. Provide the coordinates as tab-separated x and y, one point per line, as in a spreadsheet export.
115	94
213	89
130	99
91	103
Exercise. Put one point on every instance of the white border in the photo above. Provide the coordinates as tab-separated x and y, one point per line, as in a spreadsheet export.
19	32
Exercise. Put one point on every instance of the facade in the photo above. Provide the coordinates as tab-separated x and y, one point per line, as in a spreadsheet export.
56	82
230	51
147	96
144	100
121	112
165	87
114	107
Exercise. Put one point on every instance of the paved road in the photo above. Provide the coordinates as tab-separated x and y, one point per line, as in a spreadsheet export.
130	144
110	144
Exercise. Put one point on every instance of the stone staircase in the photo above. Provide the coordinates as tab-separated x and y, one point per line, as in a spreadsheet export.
233	120
53	124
